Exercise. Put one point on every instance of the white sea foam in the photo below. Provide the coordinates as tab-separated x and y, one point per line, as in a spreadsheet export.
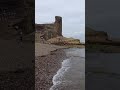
71	76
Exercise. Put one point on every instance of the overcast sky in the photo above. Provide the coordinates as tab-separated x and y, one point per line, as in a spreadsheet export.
72	12
104	15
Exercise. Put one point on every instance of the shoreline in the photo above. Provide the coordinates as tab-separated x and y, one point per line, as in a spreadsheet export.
48	60
46	67
45	49
64	78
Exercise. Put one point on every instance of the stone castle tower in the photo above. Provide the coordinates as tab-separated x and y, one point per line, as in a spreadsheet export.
49	30
58	25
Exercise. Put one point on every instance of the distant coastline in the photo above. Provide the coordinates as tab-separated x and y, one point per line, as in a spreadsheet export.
100	41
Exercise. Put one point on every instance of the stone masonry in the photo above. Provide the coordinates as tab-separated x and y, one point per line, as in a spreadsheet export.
50	30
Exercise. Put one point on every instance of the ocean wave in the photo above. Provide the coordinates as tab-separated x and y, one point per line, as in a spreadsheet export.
71	76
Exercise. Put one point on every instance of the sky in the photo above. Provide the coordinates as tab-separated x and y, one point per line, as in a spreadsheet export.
71	11
104	15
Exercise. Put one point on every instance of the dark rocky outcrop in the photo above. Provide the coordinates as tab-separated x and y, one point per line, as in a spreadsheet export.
99	37
52	33
93	36
16	13
64	41
50	30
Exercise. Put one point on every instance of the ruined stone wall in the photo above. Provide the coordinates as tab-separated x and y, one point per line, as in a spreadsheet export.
58	25
50	30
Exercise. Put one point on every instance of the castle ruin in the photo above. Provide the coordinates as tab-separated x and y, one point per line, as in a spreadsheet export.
48	31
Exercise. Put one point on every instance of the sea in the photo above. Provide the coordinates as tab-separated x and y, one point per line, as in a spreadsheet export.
103	71
71	75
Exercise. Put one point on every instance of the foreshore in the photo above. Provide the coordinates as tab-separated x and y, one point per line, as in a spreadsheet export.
46	67
48	60
45	49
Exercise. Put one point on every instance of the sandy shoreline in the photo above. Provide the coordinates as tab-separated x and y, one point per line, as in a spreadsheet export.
46	67
48	60
45	49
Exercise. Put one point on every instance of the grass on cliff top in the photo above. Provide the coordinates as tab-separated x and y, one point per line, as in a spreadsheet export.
71	45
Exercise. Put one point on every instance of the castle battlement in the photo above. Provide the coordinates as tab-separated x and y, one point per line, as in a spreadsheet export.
50	30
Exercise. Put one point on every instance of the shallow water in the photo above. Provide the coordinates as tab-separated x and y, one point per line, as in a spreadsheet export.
104	72
71	75
107	62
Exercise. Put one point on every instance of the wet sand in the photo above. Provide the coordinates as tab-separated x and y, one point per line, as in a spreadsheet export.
46	67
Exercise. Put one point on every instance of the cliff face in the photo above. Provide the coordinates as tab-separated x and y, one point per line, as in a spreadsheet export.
64	41
52	33
93	36
16	13
51	30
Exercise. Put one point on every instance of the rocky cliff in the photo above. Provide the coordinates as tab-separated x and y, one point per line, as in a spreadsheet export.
93	36
50	30
60	40
16	13
99	41
52	33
